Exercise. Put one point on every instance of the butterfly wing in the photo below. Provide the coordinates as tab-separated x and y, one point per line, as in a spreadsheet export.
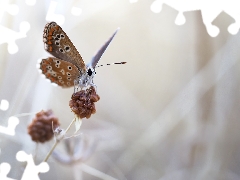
100	52
58	44
59	71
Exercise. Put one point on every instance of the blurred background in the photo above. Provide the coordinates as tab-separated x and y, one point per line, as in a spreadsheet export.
170	113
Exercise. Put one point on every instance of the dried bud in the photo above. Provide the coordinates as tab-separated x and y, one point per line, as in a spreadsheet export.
41	127
82	102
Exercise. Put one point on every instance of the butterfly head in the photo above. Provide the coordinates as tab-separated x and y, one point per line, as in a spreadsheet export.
87	78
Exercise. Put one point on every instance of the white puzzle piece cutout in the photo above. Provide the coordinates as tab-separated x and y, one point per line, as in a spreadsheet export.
9	36
210	9
12	9
4	170
4	105
12	123
31	171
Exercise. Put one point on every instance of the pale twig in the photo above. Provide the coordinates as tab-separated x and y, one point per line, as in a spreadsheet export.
24	114
57	141
76	173
35	151
73	136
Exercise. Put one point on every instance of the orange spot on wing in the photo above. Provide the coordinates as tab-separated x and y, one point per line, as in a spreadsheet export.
51	32
44	69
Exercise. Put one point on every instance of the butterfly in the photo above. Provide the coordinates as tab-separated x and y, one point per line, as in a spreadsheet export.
67	67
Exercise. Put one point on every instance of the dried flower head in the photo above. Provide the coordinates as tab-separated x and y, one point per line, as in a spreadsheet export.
41	127
82	102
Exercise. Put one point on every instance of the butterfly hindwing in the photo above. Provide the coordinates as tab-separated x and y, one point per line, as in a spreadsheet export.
59	71
58	44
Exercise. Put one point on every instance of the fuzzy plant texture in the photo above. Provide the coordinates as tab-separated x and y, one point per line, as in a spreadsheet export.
82	102
41	128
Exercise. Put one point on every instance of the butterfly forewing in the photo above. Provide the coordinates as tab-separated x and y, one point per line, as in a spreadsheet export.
59	71
58	44
100	52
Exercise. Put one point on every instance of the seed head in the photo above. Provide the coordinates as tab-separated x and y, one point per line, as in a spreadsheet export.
82	102
40	129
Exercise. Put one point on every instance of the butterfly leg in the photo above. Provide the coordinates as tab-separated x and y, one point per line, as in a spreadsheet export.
75	86
80	84
94	85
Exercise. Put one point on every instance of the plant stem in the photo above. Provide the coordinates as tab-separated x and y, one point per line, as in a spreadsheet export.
35	152
70	125
50	152
57	141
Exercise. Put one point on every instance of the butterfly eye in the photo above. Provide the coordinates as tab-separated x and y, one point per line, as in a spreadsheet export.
89	72
62	36
69	68
58	36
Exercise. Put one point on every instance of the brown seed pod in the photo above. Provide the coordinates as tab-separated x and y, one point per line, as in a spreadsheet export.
82	102
40	129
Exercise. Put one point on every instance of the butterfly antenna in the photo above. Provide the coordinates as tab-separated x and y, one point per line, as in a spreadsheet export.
111	64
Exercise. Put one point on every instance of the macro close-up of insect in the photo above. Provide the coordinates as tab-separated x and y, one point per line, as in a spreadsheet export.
169	112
